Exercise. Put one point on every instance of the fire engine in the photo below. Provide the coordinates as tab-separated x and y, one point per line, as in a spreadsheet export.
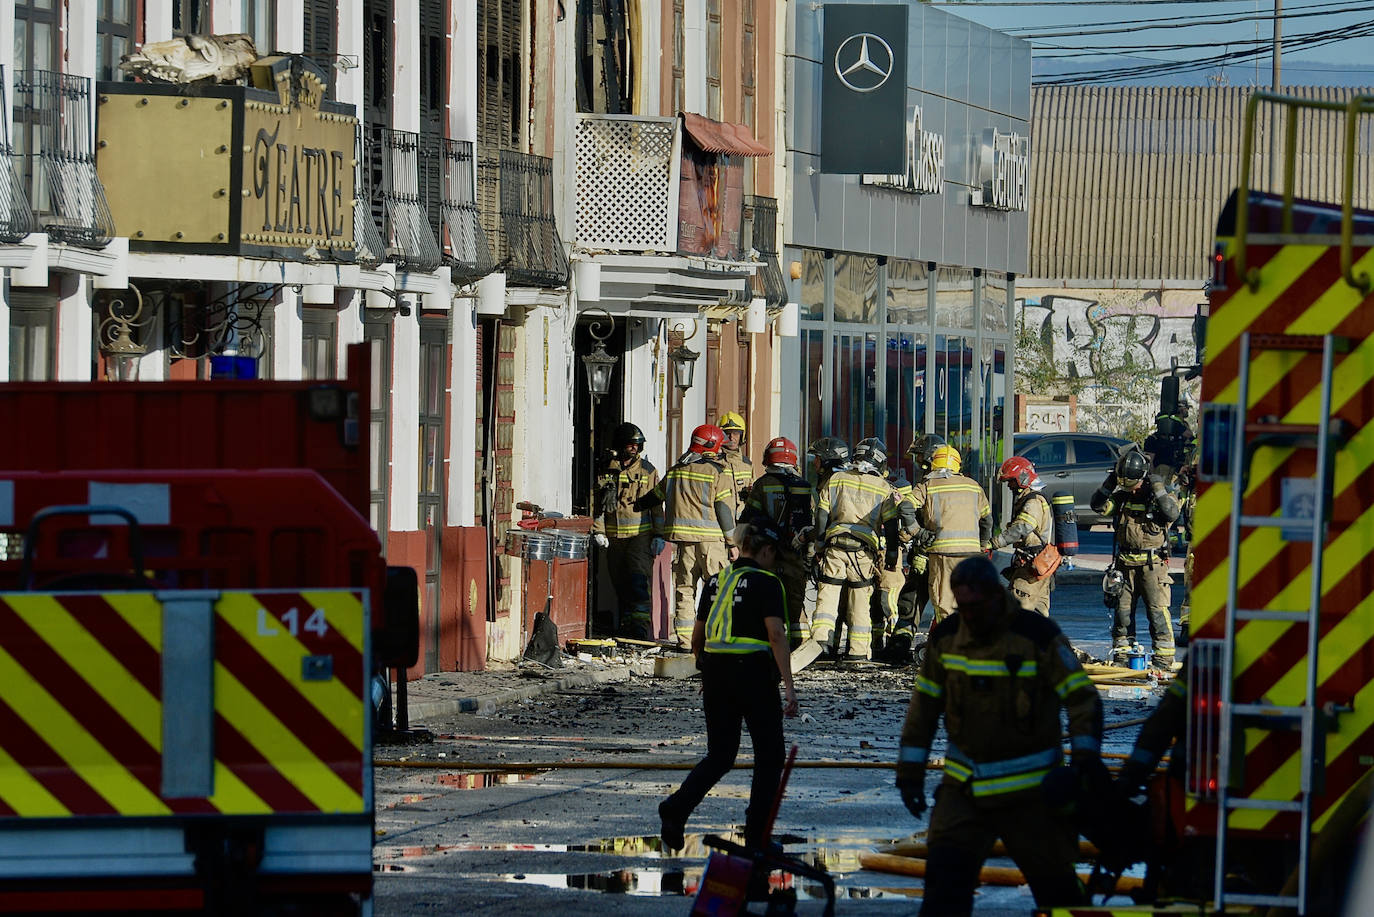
194	609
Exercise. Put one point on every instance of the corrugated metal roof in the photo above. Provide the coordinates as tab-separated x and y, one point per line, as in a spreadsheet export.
722	136
1127	182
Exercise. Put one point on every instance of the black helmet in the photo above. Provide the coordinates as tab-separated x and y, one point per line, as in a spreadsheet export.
922	446
625	434
831	451
872	450
1132	467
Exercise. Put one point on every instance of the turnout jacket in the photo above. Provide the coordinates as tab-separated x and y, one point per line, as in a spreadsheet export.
741	472
955	508
1032	523
1000	698
787	498
698	501
1142	516
631	484
855	506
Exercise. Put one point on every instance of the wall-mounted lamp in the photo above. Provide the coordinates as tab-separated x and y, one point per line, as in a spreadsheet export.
116	338
684	358
599	364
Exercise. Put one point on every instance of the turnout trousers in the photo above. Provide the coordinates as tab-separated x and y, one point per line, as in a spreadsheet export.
791	569
735	690
941	593
848	571
962	832
911	601
1033	594
1151	583
693	561
630	564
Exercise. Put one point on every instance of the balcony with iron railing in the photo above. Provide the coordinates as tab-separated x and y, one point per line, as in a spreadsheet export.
389	200
16	216
448	189
56	160
515	198
761	235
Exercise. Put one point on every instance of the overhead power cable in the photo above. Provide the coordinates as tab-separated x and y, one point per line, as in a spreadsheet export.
1152	25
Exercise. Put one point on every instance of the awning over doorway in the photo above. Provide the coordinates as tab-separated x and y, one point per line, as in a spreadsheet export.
722	137
669	285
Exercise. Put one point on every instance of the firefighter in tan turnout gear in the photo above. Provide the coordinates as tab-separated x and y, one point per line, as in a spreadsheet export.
698	514
854	509
915	592
1030	531
625	525
1142	510
953	511
788	501
999	675
733	458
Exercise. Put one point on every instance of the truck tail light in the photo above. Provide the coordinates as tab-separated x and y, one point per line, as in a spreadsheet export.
1204	717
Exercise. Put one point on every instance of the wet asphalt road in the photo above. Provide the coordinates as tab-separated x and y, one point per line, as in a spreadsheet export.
581	839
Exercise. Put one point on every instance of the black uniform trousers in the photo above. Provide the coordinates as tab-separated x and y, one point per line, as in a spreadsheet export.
737	689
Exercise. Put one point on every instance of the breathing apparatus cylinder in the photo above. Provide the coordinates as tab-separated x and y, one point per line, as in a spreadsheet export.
1065	523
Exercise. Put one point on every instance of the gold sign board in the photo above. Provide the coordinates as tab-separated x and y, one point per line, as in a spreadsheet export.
265	171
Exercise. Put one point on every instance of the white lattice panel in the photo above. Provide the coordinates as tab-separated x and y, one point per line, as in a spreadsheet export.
626	193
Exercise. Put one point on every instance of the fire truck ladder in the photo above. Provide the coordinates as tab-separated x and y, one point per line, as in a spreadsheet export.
1326	437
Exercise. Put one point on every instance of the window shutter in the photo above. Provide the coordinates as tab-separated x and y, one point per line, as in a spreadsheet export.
321	17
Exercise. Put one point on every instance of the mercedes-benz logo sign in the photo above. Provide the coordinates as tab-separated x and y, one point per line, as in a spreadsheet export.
863	62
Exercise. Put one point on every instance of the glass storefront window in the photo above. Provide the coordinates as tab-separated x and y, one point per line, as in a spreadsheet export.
995	303
954	298
812	304
856	289
991	447
954	386
906	293
812	365
906	395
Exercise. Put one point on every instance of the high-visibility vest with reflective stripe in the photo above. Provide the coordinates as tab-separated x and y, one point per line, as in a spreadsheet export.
690	493
720	620
1011	775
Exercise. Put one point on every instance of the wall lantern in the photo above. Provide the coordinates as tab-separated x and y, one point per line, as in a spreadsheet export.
684	366
599	364
122	355
115	336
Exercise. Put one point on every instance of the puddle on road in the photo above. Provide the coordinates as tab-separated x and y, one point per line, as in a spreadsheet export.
685	882
478	780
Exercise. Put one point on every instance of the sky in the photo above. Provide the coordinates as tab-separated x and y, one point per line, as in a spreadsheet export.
1324	41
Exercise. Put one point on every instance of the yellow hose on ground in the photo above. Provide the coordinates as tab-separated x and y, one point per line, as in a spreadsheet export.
990	875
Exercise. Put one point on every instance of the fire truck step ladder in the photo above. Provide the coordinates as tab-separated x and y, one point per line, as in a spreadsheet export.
1325	437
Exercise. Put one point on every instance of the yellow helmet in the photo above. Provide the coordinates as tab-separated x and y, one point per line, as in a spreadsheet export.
732	421
945	458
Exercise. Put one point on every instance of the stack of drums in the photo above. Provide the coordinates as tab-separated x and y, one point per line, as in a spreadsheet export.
570	545
537	546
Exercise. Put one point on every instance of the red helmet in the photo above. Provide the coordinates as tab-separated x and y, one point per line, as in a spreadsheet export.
1018	471
780	451
707	439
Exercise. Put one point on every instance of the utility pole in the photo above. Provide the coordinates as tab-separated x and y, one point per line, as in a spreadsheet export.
1275	83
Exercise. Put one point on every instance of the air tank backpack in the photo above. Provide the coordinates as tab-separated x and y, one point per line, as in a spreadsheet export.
1065	523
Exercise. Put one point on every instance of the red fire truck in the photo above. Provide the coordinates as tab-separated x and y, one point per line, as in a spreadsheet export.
194	610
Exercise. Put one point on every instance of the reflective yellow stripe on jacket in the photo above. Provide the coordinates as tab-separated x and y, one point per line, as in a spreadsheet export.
720	620
690	494
858	505
955	504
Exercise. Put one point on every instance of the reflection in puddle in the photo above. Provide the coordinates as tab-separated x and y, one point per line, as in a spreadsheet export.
677	882
483	779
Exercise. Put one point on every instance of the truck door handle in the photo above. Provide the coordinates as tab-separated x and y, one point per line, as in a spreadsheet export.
1061	474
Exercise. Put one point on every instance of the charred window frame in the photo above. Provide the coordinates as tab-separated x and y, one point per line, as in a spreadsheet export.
114	36
679	54
748	87
605	57
713	55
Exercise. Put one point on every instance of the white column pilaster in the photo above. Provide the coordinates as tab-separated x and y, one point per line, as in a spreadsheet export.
287	334
405	111
74	354
403	500
350	325
348	84
462	432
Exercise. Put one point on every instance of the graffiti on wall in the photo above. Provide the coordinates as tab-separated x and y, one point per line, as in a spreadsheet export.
1113	347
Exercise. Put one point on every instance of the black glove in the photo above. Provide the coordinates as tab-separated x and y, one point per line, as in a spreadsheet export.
923	539
913	792
1109	485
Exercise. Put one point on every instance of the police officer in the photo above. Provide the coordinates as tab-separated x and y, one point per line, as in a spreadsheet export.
785	498
733	458
624	527
698	513
1142	511
915	593
1030	530
998	674
953	511
740	641
854	508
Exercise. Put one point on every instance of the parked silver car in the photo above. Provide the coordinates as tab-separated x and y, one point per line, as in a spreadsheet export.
1076	462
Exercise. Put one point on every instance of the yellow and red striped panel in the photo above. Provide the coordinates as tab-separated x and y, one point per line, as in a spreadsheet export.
81	707
1301	291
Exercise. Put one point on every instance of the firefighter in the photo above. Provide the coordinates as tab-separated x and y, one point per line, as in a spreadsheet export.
953	511
698	499
911	601
788	501
1142	511
1030	530
733	458
828	455
624	527
999	674
892	576
740	642
854	508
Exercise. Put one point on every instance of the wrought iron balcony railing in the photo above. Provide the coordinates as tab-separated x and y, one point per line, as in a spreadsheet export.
16	216
53	140
389	172
448	187
628	169
515	192
761	234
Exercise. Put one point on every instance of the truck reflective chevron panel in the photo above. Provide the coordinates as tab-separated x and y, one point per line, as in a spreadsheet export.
190	626
1281	665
